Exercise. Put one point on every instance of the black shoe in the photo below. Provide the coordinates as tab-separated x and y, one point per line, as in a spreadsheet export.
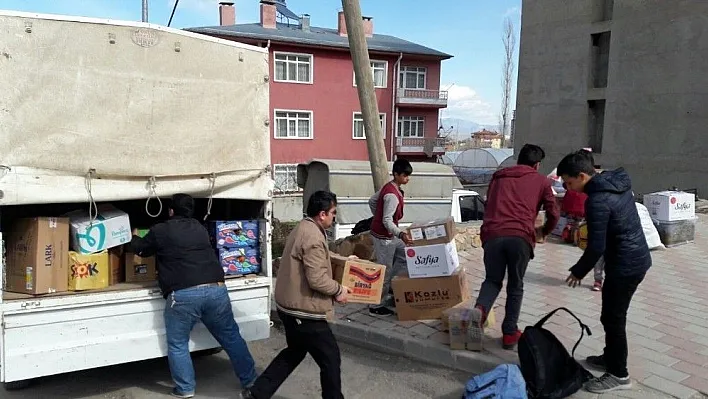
597	362
381	311
246	394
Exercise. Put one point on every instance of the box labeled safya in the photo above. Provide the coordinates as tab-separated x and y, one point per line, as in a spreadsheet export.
670	206
365	279
432	260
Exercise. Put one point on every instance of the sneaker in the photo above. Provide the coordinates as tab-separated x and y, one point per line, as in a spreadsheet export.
177	394
475	330
509	341
246	394
597	286
608	383
381	311
596	362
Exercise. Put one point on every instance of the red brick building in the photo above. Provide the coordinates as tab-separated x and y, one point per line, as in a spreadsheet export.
315	110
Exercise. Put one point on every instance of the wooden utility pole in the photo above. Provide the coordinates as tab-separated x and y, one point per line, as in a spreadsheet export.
367	95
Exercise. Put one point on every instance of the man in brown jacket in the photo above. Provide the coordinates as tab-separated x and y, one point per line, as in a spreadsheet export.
304	295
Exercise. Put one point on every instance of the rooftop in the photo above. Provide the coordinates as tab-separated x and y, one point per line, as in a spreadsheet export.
320	37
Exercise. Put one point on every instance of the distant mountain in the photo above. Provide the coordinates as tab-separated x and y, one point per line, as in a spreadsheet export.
463	127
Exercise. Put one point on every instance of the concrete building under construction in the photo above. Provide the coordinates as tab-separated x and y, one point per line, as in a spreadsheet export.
625	77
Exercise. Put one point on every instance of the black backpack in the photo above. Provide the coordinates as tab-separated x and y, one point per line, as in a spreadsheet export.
549	370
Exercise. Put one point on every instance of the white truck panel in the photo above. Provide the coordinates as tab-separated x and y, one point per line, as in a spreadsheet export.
51	339
84	92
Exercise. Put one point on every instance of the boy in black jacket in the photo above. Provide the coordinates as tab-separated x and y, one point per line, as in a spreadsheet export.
614	229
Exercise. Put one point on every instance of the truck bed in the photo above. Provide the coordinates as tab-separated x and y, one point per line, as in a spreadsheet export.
15	296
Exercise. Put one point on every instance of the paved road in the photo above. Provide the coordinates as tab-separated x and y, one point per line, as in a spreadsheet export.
366	374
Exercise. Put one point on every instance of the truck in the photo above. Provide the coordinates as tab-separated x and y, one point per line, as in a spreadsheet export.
96	111
434	192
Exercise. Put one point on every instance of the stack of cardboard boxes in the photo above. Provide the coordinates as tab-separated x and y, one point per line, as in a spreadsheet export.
434	281
237	244
674	215
47	255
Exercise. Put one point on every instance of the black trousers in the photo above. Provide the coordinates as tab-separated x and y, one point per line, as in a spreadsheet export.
617	294
303	336
504	254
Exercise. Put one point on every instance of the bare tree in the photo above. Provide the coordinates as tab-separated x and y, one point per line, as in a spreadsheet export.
507	80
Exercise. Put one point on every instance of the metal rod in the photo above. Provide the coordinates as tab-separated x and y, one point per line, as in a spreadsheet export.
145	10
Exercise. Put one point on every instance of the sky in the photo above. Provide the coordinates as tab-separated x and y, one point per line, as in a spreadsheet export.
470	30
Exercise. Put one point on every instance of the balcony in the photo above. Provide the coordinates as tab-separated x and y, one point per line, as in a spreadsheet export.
421	98
420	145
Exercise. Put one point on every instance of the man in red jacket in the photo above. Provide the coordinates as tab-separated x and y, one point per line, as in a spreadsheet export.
508	234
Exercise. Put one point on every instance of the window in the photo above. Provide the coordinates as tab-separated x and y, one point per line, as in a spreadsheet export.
600	59
379	70
411	126
412	78
285	176
293	125
358	126
294	68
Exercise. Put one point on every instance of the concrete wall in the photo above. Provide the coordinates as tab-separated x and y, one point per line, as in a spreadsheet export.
287	207
656	92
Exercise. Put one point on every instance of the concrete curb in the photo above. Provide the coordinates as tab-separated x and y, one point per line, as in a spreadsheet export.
437	354
413	348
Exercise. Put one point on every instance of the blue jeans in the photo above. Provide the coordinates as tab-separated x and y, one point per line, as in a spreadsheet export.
212	306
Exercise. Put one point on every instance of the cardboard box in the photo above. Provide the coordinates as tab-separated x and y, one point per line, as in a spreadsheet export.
138	269
37	256
111	228
426	299
364	278
116	266
439	231
445	319
234	233
240	261
432	260
88	271
671	206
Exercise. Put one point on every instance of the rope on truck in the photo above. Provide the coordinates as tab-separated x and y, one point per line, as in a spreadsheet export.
93	207
152	191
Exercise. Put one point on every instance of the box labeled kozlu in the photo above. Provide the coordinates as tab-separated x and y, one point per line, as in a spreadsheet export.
234	233
240	261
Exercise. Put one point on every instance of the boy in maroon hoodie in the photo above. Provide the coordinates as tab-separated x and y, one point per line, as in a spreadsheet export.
515	196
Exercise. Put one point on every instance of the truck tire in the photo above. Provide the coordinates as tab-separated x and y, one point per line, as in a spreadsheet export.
17	385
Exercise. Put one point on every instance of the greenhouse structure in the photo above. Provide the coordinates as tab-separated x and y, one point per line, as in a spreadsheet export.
477	165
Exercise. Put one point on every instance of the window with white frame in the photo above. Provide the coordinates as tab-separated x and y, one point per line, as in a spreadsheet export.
412	77
411	126
293	124
358	126
285	176
379	70
293	68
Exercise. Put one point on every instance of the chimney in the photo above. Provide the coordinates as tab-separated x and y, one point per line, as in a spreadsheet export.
368	26
305	23
268	14
342	25
227	13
